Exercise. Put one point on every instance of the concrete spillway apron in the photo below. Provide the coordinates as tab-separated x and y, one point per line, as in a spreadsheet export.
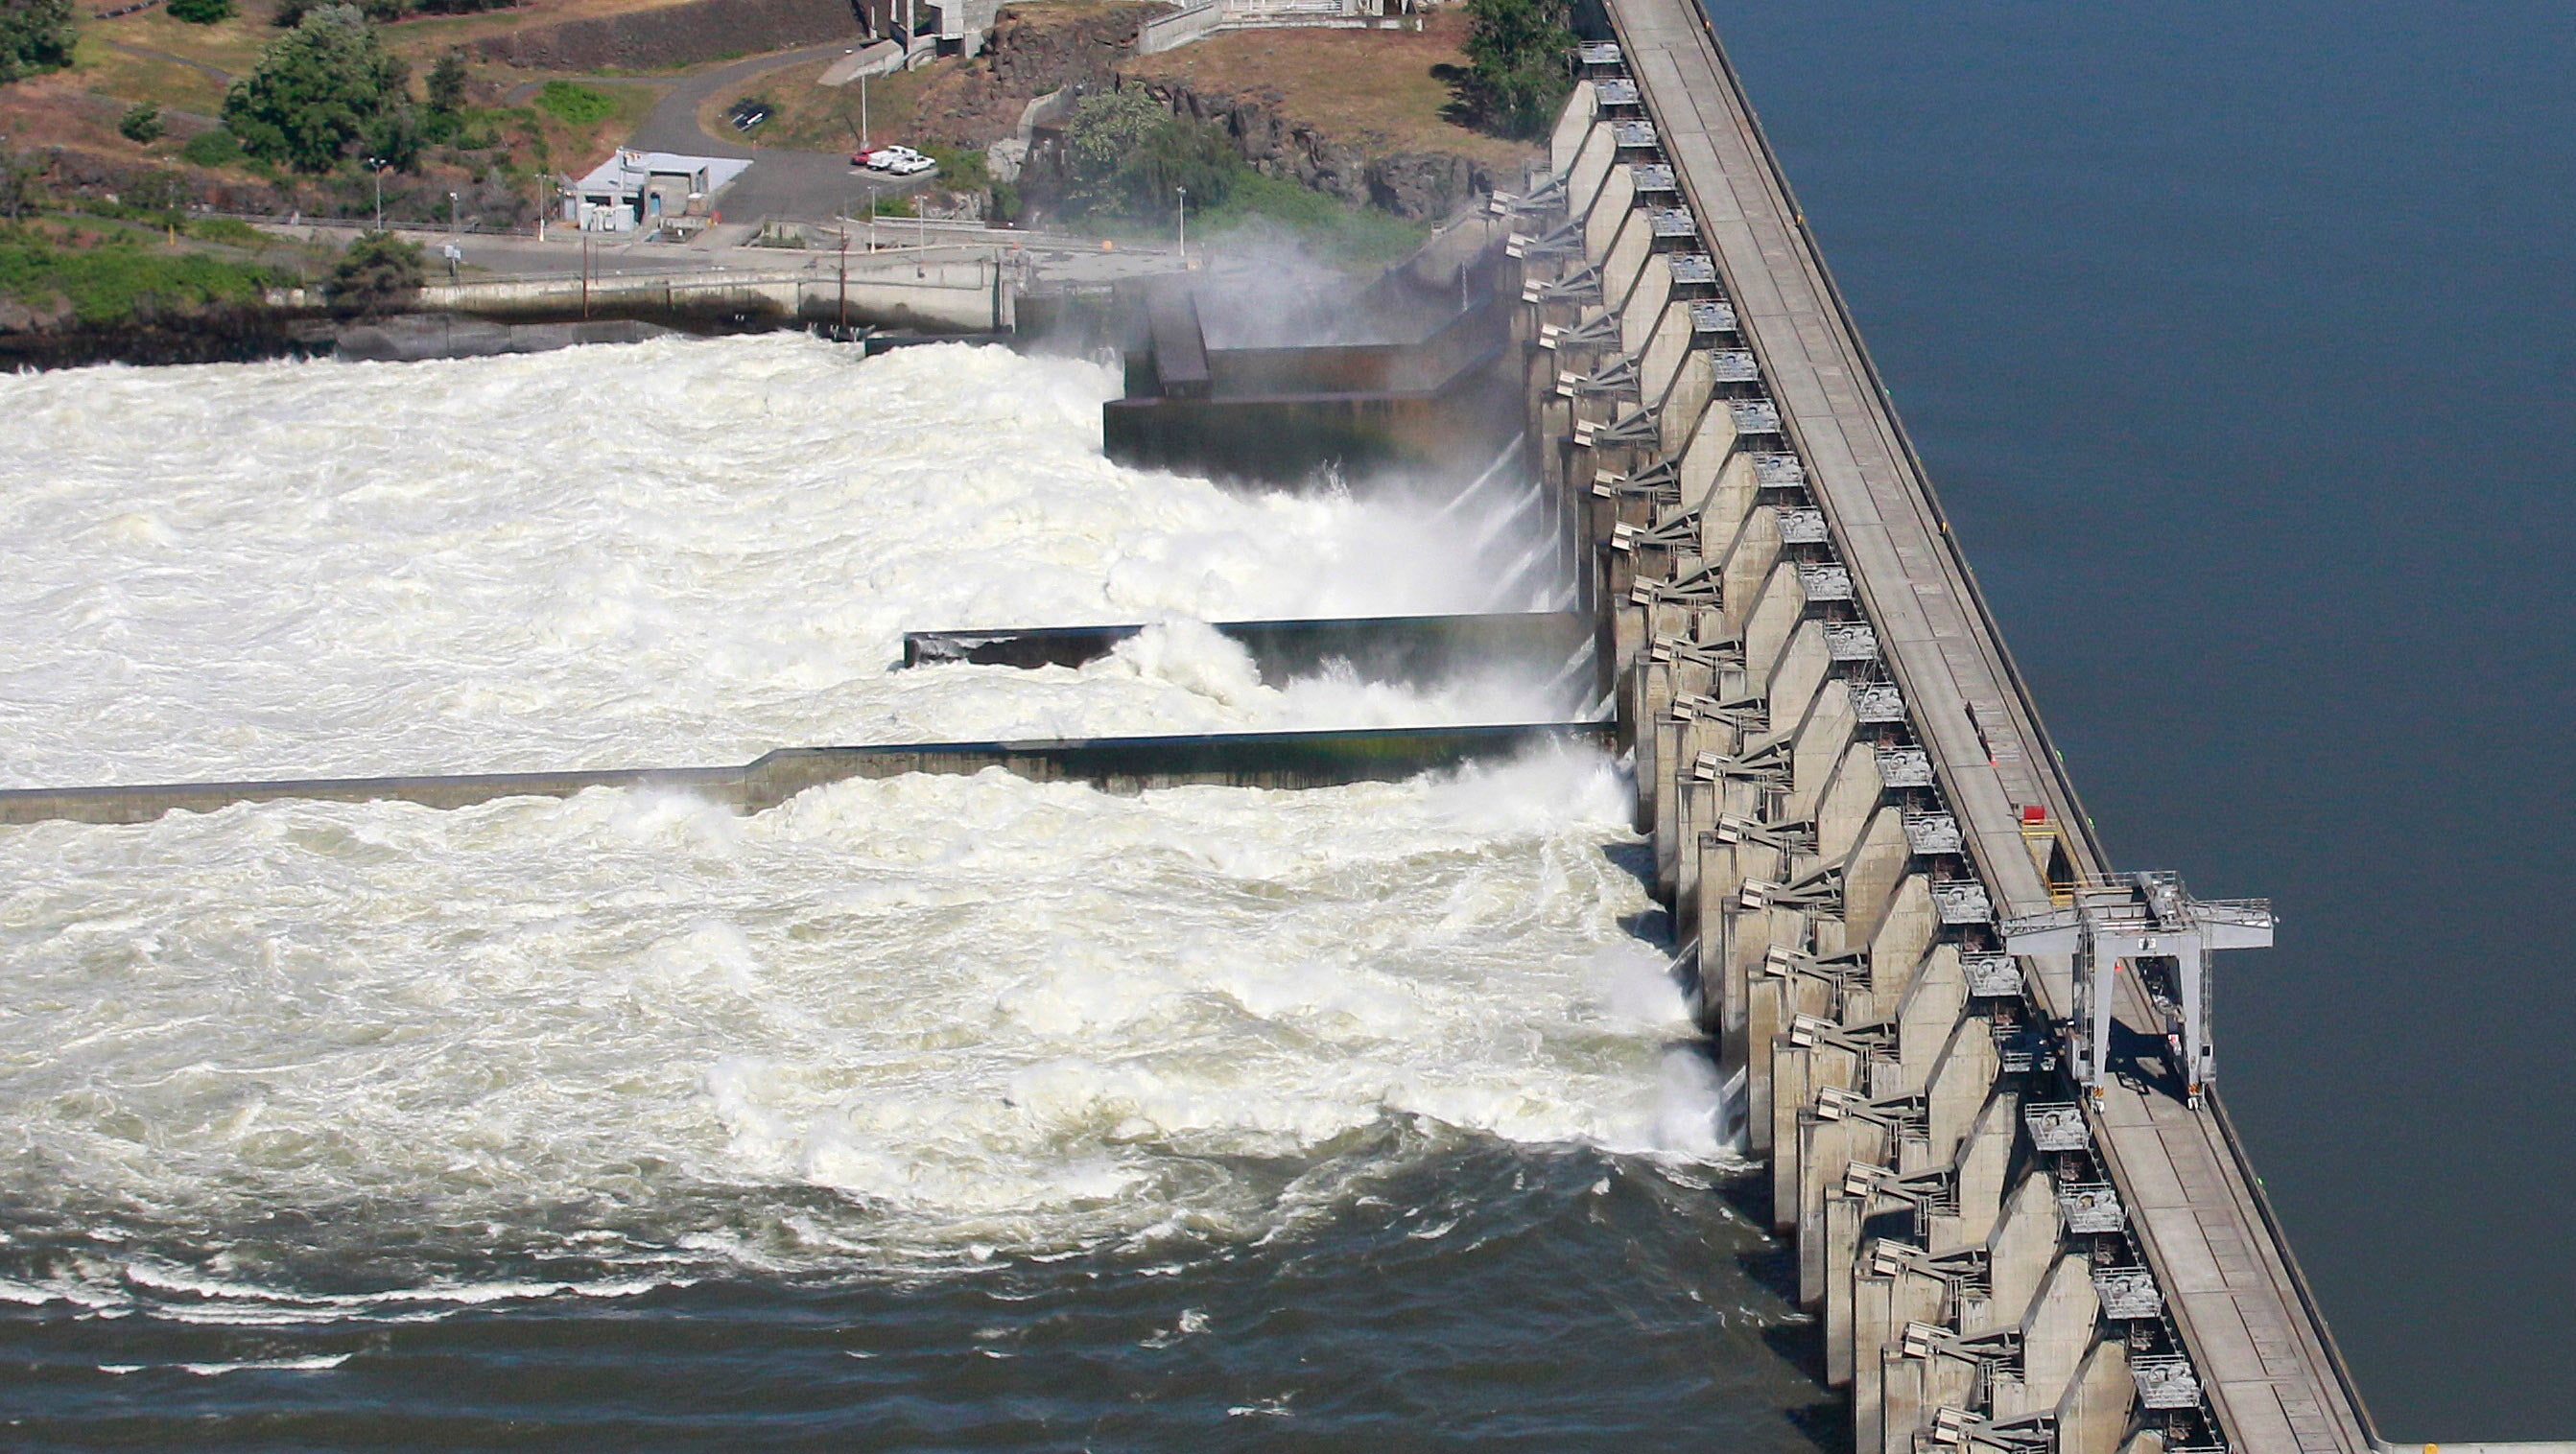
2261	1347
1115	764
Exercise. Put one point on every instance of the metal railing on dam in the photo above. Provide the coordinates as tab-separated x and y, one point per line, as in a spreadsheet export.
2018	1233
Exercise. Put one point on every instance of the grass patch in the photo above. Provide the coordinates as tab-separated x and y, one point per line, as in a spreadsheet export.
112	281
229	230
215	148
1387	91
575	105
1328	225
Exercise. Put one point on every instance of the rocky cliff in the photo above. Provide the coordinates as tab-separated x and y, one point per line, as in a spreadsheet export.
1423	186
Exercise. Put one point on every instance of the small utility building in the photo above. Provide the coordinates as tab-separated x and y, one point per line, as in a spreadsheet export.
648	189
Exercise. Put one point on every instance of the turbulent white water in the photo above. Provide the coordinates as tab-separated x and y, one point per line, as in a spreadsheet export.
676	553
979	1011
302	1061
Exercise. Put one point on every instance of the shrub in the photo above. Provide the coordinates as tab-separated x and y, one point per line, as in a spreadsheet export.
378	274
200	12
213	148
1516	63
574	104
316	89
1125	154
141	124
110	281
961	168
230	230
35	36
447	83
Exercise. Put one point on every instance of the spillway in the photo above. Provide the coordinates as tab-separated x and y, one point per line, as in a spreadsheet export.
666	554
937	1109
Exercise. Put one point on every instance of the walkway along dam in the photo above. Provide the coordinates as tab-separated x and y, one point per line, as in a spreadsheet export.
1976	1059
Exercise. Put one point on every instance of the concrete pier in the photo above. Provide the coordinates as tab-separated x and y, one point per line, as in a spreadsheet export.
1408	650
1851	797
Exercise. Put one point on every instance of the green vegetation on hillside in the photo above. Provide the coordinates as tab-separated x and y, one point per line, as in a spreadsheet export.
200	12
35	36
1127	160
111	281
1516	52
322	89
574	104
215	148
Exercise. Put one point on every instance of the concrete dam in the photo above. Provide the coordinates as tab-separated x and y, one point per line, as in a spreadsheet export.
1977	1060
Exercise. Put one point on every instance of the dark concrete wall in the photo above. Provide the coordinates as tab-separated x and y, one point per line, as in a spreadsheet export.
1415	650
1117	764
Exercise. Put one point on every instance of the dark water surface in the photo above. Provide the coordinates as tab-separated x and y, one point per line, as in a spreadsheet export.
2241	343
1494	1298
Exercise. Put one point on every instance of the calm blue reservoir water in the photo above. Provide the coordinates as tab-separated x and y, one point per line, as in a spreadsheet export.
2240	342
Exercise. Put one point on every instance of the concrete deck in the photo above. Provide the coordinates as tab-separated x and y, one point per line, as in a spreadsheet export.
2263	1352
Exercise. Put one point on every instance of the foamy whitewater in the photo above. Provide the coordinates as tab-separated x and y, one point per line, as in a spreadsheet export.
981	1014
301	1063
677	553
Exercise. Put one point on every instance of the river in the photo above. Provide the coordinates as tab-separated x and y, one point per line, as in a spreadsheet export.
2237	340
923	1113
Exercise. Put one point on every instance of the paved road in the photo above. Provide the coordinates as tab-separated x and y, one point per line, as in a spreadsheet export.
1056	258
780	183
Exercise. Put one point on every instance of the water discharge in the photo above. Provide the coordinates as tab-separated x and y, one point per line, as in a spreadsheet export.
669	554
1165	1087
978	1012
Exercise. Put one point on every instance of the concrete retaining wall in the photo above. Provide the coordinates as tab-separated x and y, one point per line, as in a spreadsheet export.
1116	764
974	293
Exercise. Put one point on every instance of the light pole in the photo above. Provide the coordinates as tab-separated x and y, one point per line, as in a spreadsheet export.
451	211
377	166
863	114
1185	225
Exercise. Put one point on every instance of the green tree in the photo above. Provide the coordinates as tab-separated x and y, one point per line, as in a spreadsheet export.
447	83
379	273
141	124
1516	74
200	12
35	36
318	88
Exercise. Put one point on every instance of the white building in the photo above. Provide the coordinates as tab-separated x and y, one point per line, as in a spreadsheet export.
648	189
